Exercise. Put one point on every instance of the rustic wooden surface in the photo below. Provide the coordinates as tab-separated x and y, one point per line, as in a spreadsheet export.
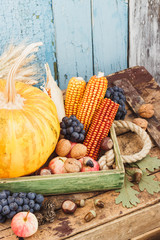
135	101
114	221
144	38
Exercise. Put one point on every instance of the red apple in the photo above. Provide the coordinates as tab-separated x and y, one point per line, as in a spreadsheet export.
24	224
72	145
89	165
57	165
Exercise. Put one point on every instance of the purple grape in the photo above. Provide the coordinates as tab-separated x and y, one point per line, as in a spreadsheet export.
39	198
31	203
31	195
13	206
25	201
26	208
5	210
11	199
19	209
11	214
22	195
15	194
3	202
8	193
3	195
70	130
62	125
19	201
37	207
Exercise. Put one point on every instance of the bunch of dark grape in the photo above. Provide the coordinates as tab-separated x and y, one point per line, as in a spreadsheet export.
72	129
10	204
116	94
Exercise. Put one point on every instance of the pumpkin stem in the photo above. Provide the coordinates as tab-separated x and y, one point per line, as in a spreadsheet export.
10	91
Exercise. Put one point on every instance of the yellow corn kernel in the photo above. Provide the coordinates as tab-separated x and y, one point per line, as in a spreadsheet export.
74	95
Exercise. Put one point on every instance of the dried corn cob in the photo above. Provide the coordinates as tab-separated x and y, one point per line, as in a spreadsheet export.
101	124
74	95
93	95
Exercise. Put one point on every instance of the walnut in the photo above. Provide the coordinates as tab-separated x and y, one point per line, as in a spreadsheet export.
146	110
63	147
141	123
78	151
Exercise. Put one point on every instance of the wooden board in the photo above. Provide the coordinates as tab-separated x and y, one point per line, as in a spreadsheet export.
143	82
144	37
30	21
135	101
110	35
73	39
132	221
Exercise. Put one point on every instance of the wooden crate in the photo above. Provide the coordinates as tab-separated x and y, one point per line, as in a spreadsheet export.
70	182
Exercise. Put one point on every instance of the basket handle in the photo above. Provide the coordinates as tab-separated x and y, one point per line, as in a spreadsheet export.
147	144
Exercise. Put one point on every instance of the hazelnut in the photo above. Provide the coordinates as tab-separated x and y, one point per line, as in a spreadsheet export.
72	165
106	144
80	203
63	147
141	123
69	206
45	171
90	215
146	110
99	203
78	151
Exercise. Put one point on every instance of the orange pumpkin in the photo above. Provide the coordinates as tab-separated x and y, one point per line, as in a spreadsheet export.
29	126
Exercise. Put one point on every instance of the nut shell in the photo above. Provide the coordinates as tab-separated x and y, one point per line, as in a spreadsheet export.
78	151
63	147
72	165
106	144
146	110
141	123
69	207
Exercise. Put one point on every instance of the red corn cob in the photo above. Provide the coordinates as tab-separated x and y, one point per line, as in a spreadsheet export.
100	126
93	95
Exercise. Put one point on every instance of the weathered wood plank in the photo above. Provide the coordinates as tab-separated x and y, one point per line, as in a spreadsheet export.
143	82
135	101
144	21
126	227
70	225
29	21
110	35
73	39
153	234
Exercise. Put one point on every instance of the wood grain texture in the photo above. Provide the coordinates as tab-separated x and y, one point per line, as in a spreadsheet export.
135	101
112	217
73	39
29	21
110	35
143	82
144	35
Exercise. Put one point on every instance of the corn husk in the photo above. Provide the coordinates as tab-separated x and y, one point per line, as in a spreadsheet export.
55	93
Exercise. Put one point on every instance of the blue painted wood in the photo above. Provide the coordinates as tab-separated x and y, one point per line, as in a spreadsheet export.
31	21
110	35
73	39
